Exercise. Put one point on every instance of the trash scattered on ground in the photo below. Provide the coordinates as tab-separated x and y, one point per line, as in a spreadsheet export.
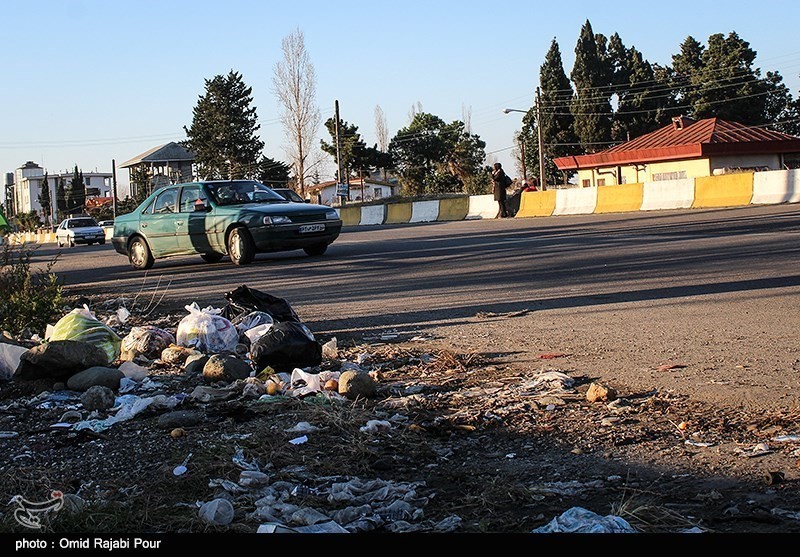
759	449
206	330
578	520
181	469
670	366
552	355
374	426
218	511
81	325
145	340
299	440
699	443
773	477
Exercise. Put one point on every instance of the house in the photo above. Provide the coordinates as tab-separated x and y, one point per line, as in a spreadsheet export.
29	181
166	164
686	148
361	189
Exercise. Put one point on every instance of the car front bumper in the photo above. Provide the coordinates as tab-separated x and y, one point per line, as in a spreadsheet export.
288	237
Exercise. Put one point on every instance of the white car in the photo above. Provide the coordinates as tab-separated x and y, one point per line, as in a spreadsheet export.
79	230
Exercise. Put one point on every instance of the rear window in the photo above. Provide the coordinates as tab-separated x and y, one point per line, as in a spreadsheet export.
81	223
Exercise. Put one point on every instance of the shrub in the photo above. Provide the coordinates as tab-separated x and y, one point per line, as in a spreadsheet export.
29	298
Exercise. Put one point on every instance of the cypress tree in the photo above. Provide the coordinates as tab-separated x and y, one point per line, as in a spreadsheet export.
591	106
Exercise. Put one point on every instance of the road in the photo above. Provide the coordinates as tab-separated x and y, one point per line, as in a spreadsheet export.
622	292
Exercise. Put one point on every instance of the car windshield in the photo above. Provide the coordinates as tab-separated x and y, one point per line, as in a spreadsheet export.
290	195
81	223
242	192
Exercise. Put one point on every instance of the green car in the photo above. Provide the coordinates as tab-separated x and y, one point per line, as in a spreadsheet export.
238	218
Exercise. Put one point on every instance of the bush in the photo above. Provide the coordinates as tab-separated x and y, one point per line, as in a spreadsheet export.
29	298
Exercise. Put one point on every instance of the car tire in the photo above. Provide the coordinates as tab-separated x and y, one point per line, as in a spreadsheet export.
102	242
211	257
316	250
139	254
72	242
90	243
60	243
240	246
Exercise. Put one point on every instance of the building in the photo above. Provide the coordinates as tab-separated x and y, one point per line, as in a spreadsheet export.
686	148
29	181
361	189
165	164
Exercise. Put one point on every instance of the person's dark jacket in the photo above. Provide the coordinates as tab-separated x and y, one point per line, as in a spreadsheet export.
498	183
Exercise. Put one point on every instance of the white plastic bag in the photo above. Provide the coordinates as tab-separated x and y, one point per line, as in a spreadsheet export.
207	331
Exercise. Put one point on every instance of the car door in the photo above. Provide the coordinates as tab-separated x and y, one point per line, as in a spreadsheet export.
159	223
193	221
61	232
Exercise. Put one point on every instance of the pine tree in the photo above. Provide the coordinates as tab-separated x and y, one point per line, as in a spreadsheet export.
45	200
591	106
640	109
223	131
273	173
61	198
76	196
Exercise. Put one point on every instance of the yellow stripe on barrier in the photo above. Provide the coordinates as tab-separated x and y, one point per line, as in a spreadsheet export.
453	209
730	190
350	216
537	204
619	199
397	213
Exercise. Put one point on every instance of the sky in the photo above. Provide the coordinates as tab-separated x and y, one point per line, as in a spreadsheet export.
85	82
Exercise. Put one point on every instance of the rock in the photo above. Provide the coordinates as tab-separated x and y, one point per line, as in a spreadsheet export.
134	371
598	392
177	355
105	376
180	418
59	359
219	511
195	363
225	368
59	386
147	341
353	384
98	397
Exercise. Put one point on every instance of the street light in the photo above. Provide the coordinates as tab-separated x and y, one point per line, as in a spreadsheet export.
539	129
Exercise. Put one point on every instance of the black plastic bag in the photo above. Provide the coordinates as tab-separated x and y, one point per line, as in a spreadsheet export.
286	346
244	300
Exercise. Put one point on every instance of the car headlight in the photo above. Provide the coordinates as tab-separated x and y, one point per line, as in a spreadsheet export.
331	215
277	220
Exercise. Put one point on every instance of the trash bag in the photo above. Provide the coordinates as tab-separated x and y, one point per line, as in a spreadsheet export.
147	340
245	300
206	331
252	326
81	325
286	346
578	520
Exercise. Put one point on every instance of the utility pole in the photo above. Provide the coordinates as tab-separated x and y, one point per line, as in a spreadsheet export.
113	189
541	143
339	156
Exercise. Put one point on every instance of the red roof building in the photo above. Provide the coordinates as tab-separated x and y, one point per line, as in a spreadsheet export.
686	148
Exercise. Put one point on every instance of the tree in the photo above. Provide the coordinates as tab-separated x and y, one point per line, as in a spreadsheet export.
352	149
295	85
641	107
686	67
272	172
45	200
223	131
591	106
382	134
140	184
76	196
61	198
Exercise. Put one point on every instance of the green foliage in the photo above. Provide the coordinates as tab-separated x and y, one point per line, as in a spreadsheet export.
478	184
29	298
223	131
61	199
141	184
591	106
272	173
45	200
27	222
76	194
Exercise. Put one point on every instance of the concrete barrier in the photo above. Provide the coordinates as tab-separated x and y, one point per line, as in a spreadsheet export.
350	216
619	199
575	201
537	204
729	190
668	194
372	214
482	207
776	186
398	213
455	208
424	211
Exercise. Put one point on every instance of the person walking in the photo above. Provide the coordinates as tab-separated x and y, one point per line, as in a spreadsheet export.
500	182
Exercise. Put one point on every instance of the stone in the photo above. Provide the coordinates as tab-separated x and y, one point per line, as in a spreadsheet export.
225	368
98	397
180	418
134	371
195	363
218	511
598	392
98	375
59	359
177	355
353	384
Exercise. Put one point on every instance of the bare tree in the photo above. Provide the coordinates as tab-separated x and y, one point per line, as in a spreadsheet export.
295	85
381	129
466	117
415	109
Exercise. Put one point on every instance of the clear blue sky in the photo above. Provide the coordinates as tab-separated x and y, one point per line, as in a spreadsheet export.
88	81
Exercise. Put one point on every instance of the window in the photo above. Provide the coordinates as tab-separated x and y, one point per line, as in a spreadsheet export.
601	182
378	193
166	202
189	195
586	183
677	175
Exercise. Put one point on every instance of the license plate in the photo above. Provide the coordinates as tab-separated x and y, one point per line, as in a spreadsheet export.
311	228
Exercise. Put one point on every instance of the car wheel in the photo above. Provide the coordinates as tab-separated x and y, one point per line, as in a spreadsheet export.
90	243
211	257
316	250
140	255
72	242
60	243
102	242
240	246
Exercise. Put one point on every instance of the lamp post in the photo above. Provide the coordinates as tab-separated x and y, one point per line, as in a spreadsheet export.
541	149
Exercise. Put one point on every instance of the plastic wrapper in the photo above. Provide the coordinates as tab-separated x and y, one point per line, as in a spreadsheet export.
207	331
286	346
81	325
149	341
578	520
245	300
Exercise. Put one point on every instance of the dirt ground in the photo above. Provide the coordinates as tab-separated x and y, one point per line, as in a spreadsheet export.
479	426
